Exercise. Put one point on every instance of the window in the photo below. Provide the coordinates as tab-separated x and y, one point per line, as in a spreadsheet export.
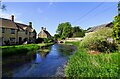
26	32
12	40
3	30
12	31
29	33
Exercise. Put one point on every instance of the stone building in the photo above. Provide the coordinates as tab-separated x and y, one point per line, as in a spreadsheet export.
44	33
16	33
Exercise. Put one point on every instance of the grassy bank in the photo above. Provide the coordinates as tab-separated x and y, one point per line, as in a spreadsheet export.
19	49
82	64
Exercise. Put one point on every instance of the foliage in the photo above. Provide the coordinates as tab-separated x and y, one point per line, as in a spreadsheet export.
43	40
2	6
19	49
47	40
98	40
39	40
89	28
82	64
77	32
116	29
56	36
119	6
65	30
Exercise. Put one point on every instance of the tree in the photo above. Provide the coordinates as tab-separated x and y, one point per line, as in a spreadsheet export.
2	6
119	8
64	30
78	32
116	28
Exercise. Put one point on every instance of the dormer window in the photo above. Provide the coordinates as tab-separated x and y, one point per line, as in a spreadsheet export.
12	31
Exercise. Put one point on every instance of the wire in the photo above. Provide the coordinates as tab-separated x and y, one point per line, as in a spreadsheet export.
107	9
88	12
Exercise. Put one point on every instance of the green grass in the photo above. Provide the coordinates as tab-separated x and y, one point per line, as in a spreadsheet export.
82	64
73	43
19	49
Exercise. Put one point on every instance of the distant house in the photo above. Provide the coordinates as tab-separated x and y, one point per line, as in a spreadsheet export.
99	26
16	33
44	33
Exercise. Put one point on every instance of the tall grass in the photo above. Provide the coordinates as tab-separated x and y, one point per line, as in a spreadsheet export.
82	64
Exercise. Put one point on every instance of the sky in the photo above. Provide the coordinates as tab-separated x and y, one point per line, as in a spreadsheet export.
51	14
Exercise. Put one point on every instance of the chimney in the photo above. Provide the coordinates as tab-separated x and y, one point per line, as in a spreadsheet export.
30	24
12	18
45	29
42	28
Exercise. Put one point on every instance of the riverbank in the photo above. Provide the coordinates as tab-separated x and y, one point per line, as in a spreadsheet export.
19	49
83	64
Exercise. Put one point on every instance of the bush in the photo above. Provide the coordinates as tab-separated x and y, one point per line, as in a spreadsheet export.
39	40
98	40
47	40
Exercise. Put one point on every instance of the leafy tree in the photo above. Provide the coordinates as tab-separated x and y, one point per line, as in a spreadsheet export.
56	36
119	7
64	30
2	6
116	28
77	32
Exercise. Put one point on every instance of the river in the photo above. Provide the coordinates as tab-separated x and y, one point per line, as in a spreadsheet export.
45	62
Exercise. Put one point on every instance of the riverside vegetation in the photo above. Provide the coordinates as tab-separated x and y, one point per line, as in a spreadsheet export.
102	63
19	49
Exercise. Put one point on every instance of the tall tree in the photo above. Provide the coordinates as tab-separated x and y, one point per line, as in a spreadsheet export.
116	28
64	30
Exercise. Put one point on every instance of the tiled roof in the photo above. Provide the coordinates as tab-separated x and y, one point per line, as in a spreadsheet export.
100	26
11	24
8	23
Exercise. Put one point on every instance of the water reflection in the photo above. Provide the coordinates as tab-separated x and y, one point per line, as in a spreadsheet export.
38	58
49	61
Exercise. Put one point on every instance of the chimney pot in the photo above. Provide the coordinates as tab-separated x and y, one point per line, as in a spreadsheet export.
42	28
12	18
30	24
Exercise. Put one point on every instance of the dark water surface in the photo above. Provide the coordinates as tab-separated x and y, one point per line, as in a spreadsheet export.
46	62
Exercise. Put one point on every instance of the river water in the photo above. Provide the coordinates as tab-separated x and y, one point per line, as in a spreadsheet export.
45	62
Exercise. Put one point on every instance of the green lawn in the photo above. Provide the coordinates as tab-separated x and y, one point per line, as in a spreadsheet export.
18	49
82	64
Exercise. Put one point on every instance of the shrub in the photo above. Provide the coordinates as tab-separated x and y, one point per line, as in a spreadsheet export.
47	40
98	40
39	40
